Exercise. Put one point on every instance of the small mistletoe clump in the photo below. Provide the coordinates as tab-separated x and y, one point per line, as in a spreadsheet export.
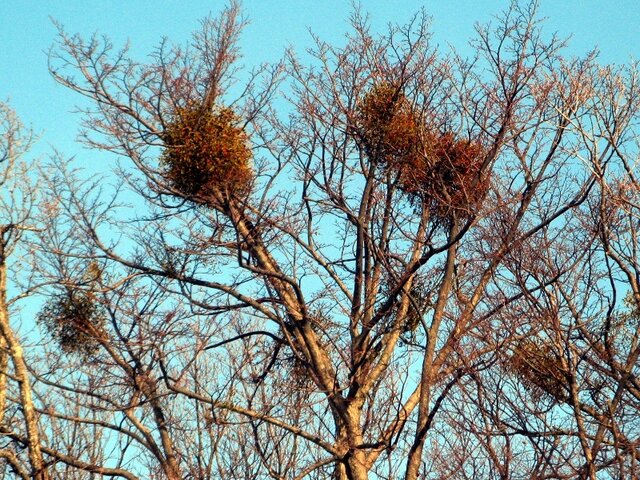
419	304
75	320
206	152
446	177
539	369
388	127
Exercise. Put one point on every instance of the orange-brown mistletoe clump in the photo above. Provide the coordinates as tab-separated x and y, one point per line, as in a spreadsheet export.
446	177
387	124
539	369
436	169
206	152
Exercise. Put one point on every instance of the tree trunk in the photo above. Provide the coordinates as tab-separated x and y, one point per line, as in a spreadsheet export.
4	364
354	464
353	467
22	375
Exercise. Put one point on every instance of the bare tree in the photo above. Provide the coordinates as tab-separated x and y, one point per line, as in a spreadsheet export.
15	210
32	441
419	273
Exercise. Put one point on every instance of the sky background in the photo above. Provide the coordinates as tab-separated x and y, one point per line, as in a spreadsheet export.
27	32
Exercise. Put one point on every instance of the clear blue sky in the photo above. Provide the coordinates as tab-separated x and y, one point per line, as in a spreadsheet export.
26	32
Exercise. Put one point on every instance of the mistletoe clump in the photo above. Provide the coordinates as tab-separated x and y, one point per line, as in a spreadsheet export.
446	177
438	170
388	127
539	369
75	320
206	152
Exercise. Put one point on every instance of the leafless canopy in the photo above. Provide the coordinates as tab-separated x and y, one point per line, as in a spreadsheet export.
420	266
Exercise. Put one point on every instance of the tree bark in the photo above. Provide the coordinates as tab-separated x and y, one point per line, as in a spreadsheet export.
22	375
